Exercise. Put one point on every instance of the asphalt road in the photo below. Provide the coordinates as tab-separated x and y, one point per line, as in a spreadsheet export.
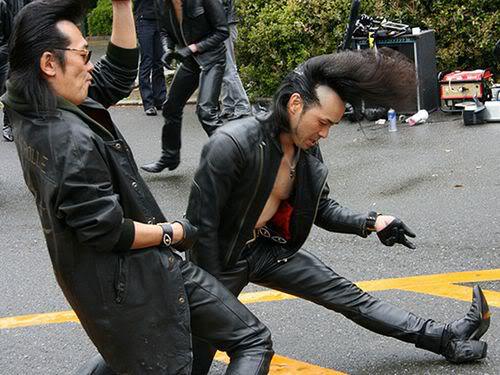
441	178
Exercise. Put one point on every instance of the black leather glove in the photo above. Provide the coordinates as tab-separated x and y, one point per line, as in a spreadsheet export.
190	235
168	57
182	53
396	232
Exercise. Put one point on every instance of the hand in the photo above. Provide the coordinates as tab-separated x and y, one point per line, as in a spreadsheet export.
168	57
395	231
190	235
183	53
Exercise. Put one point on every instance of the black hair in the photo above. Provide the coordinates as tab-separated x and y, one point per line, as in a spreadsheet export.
383	78
34	33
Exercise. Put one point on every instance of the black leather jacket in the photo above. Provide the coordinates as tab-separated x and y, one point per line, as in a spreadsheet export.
87	189
204	24
237	170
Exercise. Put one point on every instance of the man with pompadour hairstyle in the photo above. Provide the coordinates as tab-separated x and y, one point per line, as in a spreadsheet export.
261	185
112	249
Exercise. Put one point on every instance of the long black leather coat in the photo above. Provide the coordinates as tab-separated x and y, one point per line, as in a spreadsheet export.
86	185
237	171
204	24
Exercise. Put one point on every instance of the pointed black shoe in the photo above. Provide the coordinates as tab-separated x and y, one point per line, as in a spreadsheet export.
169	159
160	165
477	321
461	337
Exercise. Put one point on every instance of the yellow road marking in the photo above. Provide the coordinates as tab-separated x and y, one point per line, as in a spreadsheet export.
442	285
285	366
438	285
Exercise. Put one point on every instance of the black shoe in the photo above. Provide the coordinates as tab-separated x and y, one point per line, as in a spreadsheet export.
463	351
159	107
7	134
160	165
461	337
151	111
477	321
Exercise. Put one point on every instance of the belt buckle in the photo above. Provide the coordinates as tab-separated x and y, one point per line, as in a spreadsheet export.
267	233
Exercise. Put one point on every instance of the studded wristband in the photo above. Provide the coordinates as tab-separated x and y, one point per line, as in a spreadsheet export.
370	221
167	235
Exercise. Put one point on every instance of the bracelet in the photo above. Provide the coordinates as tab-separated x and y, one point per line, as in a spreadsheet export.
371	220
167	235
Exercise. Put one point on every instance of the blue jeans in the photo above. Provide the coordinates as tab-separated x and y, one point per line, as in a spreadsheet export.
235	101
151	76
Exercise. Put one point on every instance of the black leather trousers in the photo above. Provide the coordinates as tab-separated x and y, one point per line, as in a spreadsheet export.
307	277
186	79
218	318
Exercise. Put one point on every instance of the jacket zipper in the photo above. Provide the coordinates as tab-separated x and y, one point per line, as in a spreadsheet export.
120	285
284	260
261	167
182	35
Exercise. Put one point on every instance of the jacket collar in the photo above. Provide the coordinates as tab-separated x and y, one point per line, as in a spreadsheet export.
16	102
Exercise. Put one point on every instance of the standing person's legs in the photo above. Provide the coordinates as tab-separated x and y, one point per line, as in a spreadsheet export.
307	277
234	280
207	107
220	320
158	75
145	34
183	85
235	101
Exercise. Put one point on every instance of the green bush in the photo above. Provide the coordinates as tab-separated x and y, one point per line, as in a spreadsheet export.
276	35
100	19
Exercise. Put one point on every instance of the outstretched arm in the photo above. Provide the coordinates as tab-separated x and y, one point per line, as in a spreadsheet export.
123	32
114	75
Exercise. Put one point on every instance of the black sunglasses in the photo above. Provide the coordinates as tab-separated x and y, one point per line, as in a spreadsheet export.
86	56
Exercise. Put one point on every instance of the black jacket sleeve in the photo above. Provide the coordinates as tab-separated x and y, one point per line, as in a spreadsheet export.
86	200
114	75
217	16
335	218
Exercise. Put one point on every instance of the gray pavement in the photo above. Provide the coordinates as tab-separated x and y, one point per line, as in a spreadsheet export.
441	178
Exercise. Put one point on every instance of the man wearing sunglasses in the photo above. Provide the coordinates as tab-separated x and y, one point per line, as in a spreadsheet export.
111	247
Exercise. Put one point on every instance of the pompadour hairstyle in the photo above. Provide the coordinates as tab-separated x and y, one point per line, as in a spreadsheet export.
34	33
379	78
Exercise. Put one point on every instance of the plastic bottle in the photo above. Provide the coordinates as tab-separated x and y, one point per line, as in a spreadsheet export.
391	117
418	118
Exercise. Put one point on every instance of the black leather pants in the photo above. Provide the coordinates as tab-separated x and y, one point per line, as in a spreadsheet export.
186	79
218	318
307	277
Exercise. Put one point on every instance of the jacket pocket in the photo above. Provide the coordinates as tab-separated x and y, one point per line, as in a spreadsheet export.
121	280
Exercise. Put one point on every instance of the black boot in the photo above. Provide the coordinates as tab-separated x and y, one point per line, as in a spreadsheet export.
169	159
459	341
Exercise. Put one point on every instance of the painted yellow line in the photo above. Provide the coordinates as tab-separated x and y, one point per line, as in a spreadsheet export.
285	366
38	319
439	285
